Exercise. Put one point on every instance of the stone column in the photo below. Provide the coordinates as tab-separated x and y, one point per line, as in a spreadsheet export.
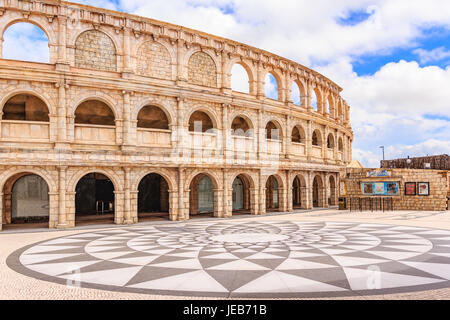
62	61
127	197
287	137
126	68
127	143
309	192
262	194
227	203
325	144
336	145
226	127
289	189
119	207
180	62
1	211
260	92
180	132
226	77
61	135
62	216
183	212
308	141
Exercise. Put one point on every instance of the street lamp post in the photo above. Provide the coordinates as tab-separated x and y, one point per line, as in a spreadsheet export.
382	147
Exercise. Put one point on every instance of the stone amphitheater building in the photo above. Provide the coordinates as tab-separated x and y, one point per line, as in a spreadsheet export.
133	118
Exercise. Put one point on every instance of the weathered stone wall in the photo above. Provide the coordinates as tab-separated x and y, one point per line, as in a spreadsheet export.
434	202
95	50
153	60
202	70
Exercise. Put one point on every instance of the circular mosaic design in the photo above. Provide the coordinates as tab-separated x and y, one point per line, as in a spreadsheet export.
246	259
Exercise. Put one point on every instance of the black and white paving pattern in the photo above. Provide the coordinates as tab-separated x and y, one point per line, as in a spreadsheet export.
246	259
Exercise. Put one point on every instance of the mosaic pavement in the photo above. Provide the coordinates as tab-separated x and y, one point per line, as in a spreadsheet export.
246	259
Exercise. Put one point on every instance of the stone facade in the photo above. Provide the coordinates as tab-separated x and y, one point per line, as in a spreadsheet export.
95	50
153	60
438	179
202	70
95	57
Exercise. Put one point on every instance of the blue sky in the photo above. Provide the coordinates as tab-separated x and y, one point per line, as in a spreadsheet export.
391	57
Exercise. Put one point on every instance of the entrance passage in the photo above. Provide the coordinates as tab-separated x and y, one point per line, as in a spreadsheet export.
201	196
272	194
153	199
296	194
318	190
26	201
94	199
241	195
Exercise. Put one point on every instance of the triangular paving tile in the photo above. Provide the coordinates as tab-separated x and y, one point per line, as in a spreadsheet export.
437	269
55	269
292	264
180	264
238	265
233	280
27	259
346	261
115	277
263	255
139	261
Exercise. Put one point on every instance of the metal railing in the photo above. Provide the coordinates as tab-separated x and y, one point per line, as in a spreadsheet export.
371	204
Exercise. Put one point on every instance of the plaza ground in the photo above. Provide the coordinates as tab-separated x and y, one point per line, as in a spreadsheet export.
17	286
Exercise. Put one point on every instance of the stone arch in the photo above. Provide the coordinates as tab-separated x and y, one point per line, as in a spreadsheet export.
202	70
95	49
317	139
95	112
154	196
76	177
171	180
279	81
153	59
299	192
330	141
298	134
160	103
318	94
318	191
25	107
332	185
302	91
272	125
153	117
248	70
249	192
17	91
340	145
242	126
206	112
109	101
208	199
274	193
6	175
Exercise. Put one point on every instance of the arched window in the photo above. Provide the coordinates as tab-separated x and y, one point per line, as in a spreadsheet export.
200	122
95	50
271	87
316	139
340	145
94	112
240	79
272	131
26	42
330	141
296	93
152	117
25	107
240	127
298	135
330	106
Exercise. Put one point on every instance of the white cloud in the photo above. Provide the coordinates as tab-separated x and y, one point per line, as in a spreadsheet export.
434	55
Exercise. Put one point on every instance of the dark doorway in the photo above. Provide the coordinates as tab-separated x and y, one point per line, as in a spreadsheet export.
94	198
153	200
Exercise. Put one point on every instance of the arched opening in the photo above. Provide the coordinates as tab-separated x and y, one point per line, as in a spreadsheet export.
315	99
272	194
153	197
332	200
271	87
330	141
241	198
340	145
26	202
94	112
240	80
26	42
94	200
152	117
25	107
272	131
202	196
318	192
330	106
200	122
299	193
240	127
296	95
316	138
298	135
202	70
